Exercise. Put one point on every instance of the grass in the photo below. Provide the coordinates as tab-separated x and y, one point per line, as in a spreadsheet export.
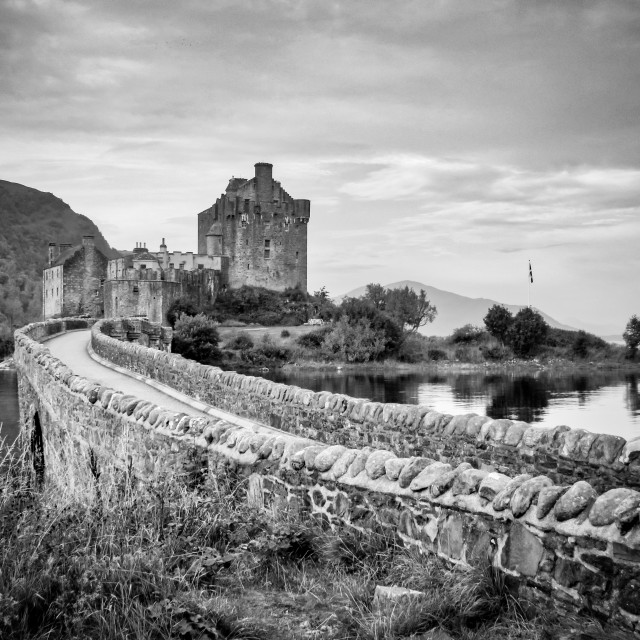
127	560
228	334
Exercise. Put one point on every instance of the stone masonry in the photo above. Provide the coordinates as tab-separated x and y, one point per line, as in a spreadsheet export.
559	542
262	230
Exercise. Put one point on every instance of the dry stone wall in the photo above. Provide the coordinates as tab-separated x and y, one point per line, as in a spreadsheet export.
563	454
563	543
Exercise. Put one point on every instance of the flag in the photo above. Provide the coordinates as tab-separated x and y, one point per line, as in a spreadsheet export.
530	272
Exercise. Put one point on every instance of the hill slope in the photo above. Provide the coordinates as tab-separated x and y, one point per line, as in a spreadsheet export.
453	310
29	220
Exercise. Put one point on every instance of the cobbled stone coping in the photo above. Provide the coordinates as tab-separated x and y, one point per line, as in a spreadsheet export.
565	541
508	446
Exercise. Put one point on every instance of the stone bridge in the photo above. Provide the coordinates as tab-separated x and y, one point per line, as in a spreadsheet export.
557	510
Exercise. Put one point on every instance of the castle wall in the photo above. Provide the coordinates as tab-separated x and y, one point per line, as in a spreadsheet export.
144	293
150	298
264	232
83	278
52	291
562	547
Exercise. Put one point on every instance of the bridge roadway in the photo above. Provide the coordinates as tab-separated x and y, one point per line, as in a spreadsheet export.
74	349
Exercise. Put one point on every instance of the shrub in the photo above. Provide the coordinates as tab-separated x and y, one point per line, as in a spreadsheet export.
436	354
196	337
314	339
495	352
285	333
414	348
467	334
180	306
354	341
241	341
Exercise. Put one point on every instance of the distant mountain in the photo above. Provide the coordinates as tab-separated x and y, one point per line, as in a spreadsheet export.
29	221
453	310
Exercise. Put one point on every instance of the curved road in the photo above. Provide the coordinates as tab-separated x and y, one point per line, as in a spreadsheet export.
72	348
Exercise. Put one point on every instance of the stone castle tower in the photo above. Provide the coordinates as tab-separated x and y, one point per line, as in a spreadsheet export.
261	229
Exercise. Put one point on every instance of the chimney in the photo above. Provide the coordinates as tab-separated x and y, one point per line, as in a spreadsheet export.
264	181
139	248
88	241
64	246
53	253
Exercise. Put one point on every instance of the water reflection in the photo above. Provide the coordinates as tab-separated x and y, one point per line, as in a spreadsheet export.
606	402
632	397
9	412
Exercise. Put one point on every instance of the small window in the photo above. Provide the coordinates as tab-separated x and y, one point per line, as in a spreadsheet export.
143	266
246	242
200	266
297	254
267	248
182	265
171	266
248	266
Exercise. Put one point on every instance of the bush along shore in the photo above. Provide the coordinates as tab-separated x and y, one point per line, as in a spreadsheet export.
380	328
189	558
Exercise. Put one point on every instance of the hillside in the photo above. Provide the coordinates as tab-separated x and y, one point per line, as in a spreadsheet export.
453	310
30	219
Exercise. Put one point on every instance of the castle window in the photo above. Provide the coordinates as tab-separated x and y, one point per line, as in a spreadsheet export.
200	266
143	266
267	248
248	266
182	265
135	288
246	242
171	265
297	254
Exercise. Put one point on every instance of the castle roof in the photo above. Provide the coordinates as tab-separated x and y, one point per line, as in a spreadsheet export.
66	255
145	255
234	183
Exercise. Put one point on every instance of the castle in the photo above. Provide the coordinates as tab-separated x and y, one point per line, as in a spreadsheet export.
254	234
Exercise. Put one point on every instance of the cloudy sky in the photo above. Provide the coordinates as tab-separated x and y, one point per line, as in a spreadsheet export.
442	141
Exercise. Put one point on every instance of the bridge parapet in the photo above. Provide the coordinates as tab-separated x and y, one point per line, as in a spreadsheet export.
563	454
559	543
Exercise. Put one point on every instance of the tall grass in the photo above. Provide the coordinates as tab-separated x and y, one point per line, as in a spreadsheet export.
164	559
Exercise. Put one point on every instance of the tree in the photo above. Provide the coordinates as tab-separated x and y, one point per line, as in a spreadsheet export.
377	294
196	337
631	335
498	321
354	341
527	332
411	310
356	309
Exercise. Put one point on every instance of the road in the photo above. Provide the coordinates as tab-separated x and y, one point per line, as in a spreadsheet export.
72	349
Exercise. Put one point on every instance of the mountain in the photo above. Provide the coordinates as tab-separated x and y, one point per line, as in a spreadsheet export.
29	221
453	310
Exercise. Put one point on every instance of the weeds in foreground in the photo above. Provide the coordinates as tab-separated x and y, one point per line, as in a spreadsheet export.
165	560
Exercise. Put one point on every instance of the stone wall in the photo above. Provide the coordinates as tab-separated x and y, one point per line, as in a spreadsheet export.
561	544
263	230
562	453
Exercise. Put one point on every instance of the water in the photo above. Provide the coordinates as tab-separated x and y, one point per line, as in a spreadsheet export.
9	411
601	402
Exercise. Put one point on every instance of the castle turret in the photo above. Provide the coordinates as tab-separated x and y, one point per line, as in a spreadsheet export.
301	210
214	240
264	181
